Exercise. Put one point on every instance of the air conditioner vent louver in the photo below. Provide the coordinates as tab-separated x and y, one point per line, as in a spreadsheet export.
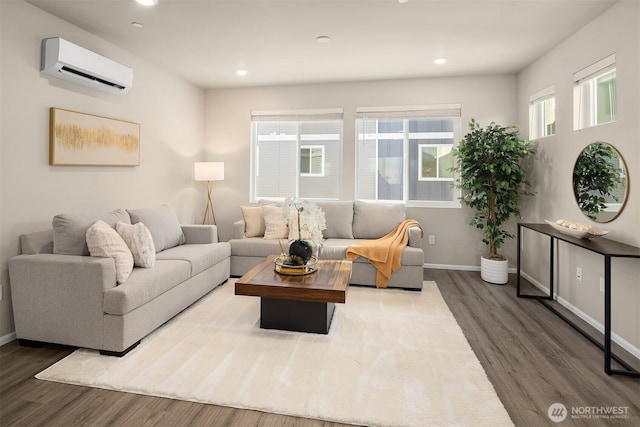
90	77
68	61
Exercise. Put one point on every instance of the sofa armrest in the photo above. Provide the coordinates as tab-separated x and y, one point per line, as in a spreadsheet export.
238	229
415	237
59	298
200	234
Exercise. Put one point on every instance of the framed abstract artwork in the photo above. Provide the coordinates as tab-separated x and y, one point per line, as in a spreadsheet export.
81	139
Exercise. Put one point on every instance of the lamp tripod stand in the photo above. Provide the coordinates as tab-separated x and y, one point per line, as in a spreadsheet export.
208	212
209	172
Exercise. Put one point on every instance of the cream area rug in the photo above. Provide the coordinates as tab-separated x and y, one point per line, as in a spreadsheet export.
391	358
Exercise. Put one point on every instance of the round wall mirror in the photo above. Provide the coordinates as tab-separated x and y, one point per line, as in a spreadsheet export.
600	182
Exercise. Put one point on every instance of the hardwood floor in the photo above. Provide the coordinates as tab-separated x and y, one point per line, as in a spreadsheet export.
532	358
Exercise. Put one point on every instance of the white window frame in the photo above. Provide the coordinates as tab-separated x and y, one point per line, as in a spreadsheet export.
537	122
411	112
590	75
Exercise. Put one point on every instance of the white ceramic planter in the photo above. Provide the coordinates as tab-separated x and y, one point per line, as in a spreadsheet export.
494	271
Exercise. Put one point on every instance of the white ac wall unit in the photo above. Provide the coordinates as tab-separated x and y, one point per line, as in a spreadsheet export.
68	61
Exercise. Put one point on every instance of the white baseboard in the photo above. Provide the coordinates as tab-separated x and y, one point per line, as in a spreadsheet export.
7	338
459	267
633	350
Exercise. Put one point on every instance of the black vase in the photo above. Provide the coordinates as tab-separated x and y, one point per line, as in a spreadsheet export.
301	248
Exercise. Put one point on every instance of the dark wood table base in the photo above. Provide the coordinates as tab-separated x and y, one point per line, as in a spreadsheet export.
299	316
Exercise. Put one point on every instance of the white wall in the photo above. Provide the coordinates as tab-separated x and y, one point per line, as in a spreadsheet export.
169	110
615	31
228	118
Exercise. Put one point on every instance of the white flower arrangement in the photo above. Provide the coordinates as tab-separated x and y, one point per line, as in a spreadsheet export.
309	221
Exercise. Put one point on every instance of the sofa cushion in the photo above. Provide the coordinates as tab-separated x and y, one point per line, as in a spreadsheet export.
374	220
140	242
256	247
144	285
339	219
163	224
275	223
70	230
337	248
104	241
200	256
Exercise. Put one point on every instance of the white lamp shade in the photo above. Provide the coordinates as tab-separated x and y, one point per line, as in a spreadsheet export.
209	171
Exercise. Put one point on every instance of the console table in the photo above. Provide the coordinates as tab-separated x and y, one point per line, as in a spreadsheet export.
608	249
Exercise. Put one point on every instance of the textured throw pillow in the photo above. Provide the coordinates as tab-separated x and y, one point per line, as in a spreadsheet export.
374	220
274	223
69	230
140	242
254	220
104	241
163	224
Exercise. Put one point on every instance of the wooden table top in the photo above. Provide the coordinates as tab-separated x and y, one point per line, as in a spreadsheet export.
328	284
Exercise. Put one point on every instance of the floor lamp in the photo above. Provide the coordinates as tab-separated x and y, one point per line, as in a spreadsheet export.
209	172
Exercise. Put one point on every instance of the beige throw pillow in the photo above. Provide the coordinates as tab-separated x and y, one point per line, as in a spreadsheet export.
140	242
274	222
254	220
104	241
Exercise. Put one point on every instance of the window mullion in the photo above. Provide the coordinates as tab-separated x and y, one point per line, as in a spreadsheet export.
297	142
377	160
405	161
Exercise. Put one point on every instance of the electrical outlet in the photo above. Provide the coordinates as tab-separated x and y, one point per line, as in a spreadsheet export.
432	239
579	274
602	285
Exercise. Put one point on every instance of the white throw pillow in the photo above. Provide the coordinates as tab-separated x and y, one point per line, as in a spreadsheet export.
104	241
274	223
140	242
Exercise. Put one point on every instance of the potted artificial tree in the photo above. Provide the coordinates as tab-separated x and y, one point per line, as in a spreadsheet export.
493	182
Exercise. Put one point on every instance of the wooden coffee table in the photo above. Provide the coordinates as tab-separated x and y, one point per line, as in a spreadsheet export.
297	303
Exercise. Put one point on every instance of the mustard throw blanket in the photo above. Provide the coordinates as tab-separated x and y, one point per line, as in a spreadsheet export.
385	253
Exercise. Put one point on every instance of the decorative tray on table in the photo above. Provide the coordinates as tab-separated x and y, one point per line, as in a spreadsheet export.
285	265
575	229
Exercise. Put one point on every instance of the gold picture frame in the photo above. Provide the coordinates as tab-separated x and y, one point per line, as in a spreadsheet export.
80	139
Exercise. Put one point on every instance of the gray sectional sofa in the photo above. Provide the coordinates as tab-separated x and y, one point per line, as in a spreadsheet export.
347	222
62	295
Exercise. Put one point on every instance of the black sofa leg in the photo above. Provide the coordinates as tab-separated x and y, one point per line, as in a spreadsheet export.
119	353
30	343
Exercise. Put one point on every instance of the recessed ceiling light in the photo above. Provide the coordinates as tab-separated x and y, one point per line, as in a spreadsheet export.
403	1
241	72
440	61
136	24
147	2
323	39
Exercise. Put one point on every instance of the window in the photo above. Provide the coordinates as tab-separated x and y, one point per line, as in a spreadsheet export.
595	94
404	154
296	154
542	113
312	160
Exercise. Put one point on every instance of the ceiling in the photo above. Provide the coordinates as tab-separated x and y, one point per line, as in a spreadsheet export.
206	41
